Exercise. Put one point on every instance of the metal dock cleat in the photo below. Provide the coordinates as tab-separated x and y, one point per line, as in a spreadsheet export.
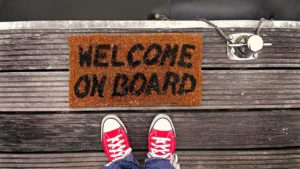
245	46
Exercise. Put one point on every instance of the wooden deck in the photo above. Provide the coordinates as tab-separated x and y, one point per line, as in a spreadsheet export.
249	117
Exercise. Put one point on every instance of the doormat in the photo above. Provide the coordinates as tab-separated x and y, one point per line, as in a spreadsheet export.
155	69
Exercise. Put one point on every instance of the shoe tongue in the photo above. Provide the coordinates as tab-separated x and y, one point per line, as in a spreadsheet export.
114	132
160	133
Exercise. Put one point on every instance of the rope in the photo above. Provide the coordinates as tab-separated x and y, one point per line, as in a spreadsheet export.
260	26
219	30
222	33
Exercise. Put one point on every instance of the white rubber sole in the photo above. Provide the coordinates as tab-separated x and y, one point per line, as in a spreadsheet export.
111	116
162	116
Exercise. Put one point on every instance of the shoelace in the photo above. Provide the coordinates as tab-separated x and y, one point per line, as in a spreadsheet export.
117	148
162	148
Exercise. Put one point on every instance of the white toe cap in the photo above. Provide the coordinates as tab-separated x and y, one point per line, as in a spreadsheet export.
110	124
162	125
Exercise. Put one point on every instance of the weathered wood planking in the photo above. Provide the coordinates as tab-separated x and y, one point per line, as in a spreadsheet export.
42	46
35	46
222	89
195	130
259	159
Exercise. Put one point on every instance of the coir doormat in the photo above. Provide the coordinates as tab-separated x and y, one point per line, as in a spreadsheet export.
135	69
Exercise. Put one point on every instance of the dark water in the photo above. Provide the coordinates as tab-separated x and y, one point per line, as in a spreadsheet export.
16	10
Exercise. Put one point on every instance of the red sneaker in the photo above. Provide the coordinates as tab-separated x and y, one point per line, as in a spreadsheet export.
162	139
114	138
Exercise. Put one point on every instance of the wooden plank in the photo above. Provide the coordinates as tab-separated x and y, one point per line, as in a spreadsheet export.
214	55
168	24
261	159
37	49
222	89
195	130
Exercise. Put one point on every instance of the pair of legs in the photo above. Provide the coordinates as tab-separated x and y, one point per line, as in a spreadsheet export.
161	144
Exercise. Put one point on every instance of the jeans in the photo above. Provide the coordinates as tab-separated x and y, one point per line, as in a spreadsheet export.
129	162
